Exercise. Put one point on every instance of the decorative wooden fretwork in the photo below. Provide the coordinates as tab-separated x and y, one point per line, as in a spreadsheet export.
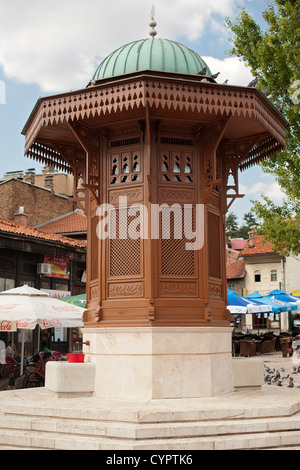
176	167
198	98
125	167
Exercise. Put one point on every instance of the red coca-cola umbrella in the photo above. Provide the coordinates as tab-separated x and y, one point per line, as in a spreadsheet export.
26	307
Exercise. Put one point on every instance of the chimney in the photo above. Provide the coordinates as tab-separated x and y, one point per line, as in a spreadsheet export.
49	182
20	217
30	176
251	239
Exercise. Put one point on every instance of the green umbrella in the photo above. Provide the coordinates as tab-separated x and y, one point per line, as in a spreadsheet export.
78	300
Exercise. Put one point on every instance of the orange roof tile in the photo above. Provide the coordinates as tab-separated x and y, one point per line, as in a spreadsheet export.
73	222
8	226
259	247
236	270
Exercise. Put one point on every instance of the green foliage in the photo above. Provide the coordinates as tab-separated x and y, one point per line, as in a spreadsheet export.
233	230
279	225
273	56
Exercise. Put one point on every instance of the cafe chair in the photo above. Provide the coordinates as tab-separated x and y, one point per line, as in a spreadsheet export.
247	348
268	346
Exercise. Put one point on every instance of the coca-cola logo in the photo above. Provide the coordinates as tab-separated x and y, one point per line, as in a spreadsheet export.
67	308
23	323
5	325
51	323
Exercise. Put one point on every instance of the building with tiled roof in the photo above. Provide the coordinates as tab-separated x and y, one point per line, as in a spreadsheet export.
72	224
264	267
12	229
43	260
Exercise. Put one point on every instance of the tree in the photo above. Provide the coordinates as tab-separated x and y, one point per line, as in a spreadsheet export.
231	225
233	230
273	57
249	224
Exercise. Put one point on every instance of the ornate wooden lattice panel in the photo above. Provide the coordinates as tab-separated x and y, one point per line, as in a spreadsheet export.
125	252
176	260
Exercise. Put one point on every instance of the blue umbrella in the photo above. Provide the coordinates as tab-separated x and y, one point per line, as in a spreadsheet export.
238	305
285	297
277	306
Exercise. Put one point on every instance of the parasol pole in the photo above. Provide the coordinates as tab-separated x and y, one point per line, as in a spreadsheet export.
22	352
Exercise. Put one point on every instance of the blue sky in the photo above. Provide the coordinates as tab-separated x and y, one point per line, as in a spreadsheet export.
53	47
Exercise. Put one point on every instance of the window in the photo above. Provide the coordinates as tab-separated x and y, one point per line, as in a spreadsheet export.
273	275
6	284
257	276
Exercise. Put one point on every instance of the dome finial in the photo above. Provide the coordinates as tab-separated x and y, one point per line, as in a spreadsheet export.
152	23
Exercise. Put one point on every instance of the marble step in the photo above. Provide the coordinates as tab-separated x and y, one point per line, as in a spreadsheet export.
53	433
121	430
34	440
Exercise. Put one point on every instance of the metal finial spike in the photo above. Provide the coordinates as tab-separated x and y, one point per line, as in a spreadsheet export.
152	23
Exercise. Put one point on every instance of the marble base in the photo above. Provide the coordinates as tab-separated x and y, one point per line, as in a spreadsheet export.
66	379
248	373
162	362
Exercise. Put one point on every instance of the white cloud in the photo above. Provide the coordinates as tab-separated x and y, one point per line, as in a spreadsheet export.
231	69
59	44
271	190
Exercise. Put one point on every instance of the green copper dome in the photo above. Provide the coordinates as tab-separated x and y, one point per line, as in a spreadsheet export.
161	55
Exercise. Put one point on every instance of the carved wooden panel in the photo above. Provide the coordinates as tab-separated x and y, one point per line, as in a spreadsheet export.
126	289
213	239
94	249
133	195
178	289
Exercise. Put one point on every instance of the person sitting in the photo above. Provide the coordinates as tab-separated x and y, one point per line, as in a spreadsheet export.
11	350
40	368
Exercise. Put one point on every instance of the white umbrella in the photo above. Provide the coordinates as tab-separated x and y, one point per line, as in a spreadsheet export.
29	307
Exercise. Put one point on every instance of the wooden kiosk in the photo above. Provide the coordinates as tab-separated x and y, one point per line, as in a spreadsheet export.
153	128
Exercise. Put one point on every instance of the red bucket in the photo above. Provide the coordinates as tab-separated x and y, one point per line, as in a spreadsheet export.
75	357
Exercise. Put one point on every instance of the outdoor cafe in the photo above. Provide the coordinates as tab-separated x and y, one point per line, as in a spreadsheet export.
262	324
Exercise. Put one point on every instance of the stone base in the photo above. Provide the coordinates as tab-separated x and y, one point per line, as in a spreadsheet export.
153	363
248	373
66	379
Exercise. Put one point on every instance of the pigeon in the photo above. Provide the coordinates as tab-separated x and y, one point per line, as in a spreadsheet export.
225	83
203	71
279	383
277	375
215	75
270	96
291	383
253	82
295	370
282	369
